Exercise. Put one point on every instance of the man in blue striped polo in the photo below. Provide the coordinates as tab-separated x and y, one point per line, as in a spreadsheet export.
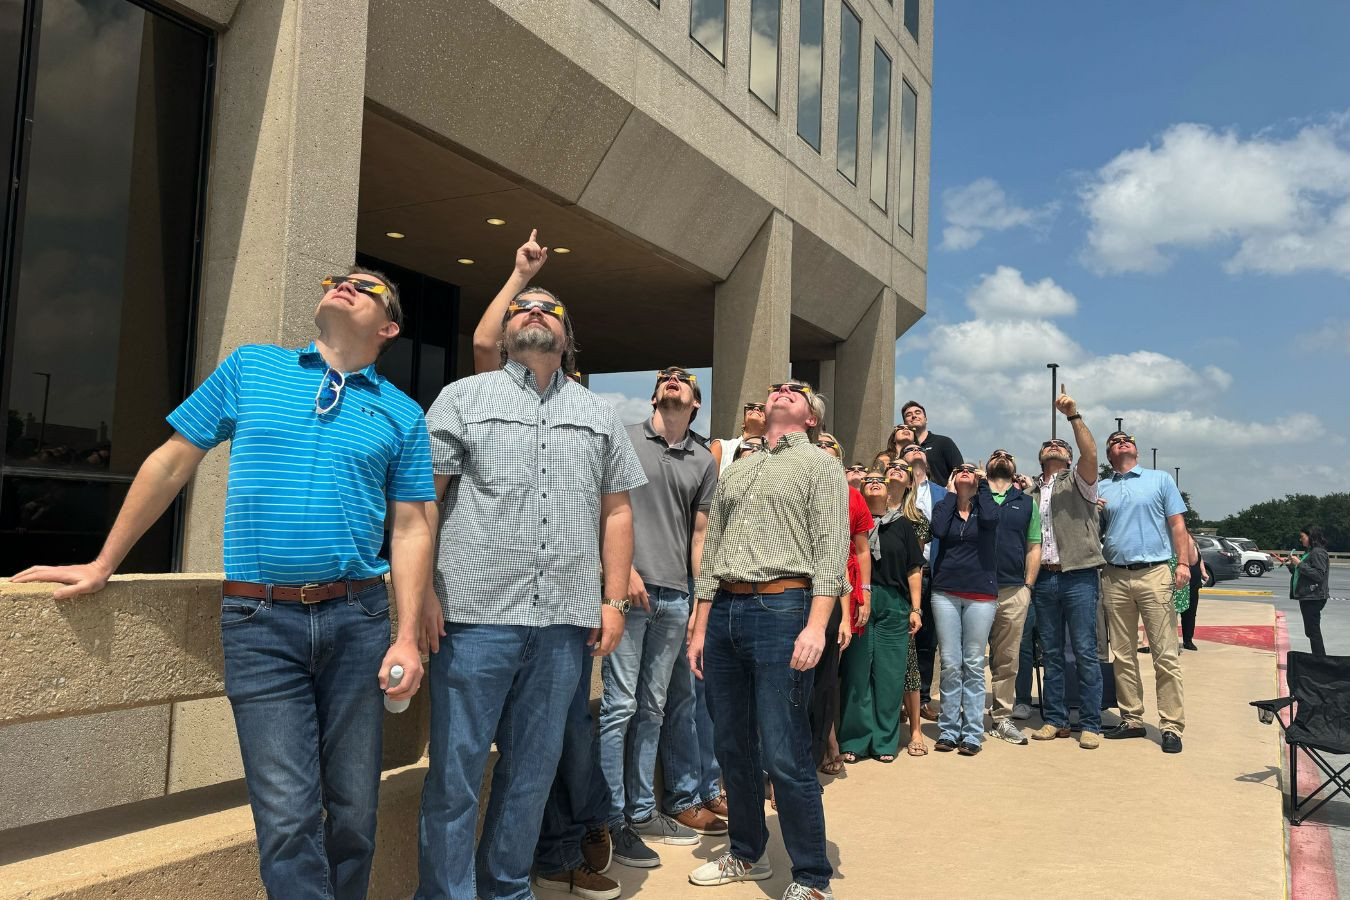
322	449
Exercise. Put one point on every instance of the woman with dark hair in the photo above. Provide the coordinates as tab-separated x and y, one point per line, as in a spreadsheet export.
1308	584
901	437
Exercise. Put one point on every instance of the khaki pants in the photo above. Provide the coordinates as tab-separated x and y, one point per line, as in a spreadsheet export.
1126	597
1005	646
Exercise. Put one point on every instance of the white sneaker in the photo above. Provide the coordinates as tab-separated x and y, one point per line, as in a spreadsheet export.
1021	712
727	868
802	892
1005	730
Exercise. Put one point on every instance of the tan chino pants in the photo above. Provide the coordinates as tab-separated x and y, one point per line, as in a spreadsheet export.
1128	596
1005	647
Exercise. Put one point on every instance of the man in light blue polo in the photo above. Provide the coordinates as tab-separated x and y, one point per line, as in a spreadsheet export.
322	449
1142	527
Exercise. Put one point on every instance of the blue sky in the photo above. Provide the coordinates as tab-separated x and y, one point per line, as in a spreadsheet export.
1156	196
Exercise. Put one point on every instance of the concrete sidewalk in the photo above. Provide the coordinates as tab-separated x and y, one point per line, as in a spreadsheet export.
1052	820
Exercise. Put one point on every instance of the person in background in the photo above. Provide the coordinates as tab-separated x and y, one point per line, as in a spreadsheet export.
926	497
942	452
881	461
752	425
901	437
854	475
1308	583
1199	575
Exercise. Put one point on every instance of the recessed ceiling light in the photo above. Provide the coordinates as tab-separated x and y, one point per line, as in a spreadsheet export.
464	262
562	250
396	235
496	221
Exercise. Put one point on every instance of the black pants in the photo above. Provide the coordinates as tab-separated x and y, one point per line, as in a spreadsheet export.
925	641
1188	617
824	708
1312	622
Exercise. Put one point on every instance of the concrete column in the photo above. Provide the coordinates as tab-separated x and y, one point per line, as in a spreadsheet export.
752	324
864	380
286	158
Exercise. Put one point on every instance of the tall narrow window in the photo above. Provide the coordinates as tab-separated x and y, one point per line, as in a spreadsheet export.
909	123
811	34
764	21
708	26
881	124
850	73
912	18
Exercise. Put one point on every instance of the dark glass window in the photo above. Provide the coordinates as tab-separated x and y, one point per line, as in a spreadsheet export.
423	357
810	59
881	125
909	123
850	74
708	26
912	18
101	255
765	16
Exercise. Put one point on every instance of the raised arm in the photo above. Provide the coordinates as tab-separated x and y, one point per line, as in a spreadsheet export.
1087	446
530	258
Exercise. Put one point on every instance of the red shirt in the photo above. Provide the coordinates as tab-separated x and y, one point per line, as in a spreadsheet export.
859	522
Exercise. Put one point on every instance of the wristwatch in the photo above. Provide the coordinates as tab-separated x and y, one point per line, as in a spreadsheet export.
1074	416
621	605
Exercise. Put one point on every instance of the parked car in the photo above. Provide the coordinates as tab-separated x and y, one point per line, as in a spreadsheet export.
1255	562
1223	561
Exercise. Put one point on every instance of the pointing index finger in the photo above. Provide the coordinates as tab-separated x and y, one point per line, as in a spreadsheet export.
534	235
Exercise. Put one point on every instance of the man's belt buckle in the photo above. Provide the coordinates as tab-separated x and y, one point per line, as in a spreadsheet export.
305	598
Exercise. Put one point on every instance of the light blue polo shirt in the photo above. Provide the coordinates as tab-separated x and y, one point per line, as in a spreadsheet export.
306	497
1134	520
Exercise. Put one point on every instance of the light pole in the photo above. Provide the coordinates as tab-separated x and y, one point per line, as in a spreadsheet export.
46	394
1054	380
1177	469
1118	425
1155	457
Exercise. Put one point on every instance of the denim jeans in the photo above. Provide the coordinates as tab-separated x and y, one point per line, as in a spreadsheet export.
636	677
303	681
962	631
762	724
689	768
1068	601
1026	662
511	684
579	799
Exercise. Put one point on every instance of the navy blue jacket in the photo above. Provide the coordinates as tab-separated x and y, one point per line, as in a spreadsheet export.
966	557
1010	549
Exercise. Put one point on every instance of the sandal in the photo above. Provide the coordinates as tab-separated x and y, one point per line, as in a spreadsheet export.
885	758
832	767
918	748
849	758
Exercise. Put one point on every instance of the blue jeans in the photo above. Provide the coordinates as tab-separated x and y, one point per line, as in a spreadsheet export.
579	799
963	633
1026	663
636	677
689	769
303	681
503	683
763	724
1068	600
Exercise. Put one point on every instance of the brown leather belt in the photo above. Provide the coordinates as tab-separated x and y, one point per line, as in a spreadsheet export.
308	593
1051	567
777	586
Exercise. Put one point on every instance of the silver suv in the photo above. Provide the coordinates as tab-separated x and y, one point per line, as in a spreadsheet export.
1254	562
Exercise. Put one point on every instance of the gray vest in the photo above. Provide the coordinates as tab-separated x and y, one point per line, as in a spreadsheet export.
1077	524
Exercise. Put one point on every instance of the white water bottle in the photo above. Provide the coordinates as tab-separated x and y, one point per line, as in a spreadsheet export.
395	706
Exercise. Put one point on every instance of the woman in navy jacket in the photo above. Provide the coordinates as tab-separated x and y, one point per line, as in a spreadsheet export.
965	593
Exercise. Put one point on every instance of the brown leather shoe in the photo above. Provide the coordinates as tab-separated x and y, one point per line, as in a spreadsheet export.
597	850
701	820
582	881
718	806
928	711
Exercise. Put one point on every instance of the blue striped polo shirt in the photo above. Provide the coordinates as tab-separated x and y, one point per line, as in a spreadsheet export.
306	497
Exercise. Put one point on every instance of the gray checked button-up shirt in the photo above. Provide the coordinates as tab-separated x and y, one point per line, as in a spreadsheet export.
519	540
779	514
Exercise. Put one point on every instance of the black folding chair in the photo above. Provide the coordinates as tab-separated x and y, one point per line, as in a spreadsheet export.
1320	686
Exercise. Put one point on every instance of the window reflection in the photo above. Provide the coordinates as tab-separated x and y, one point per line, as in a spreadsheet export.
811	34
909	121
881	124
850	73
708	26
912	18
764	19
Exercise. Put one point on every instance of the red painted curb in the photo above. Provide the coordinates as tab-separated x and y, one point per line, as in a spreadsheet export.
1312	865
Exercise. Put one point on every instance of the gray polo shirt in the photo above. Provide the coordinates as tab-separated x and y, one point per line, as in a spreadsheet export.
680	482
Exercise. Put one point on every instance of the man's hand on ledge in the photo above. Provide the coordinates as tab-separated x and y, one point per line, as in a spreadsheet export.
86	579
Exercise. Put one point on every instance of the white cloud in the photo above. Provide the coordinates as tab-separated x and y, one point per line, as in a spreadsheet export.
982	205
1283	203
631	409
987	345
1004	294
1333	335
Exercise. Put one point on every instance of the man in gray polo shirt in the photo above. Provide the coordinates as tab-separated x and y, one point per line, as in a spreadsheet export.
670	515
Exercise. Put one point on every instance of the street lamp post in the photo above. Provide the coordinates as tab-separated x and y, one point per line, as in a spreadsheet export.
46	394
1054	380
1155	457
1178	471
1119	427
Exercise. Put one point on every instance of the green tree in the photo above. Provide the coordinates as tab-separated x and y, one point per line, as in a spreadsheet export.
1275	524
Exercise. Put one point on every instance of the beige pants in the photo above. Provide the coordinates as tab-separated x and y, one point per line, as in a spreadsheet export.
1005	647
1127	596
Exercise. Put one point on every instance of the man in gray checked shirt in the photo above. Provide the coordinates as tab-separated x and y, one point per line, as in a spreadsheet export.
534	473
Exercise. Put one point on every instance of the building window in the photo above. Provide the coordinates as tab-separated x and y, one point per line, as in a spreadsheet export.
422	359
881	124
98	306
811	35
708	26
765	16
909	122
850	74
912	18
